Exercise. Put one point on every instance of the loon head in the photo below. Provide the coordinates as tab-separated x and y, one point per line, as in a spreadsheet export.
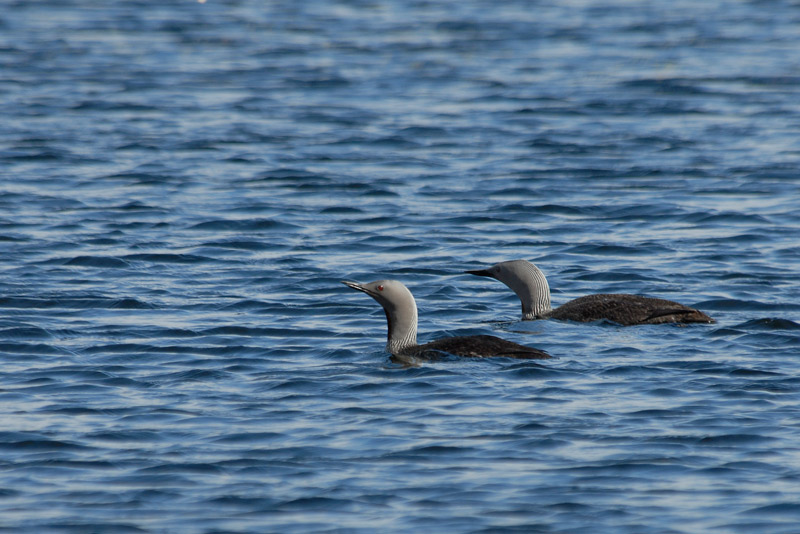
400	307
526	280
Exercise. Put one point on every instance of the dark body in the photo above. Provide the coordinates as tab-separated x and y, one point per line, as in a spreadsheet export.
626	310
481	346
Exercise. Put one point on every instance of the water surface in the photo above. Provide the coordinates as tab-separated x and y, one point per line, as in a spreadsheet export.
183	186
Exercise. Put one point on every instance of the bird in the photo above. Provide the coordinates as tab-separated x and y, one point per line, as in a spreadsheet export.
530	285
401	318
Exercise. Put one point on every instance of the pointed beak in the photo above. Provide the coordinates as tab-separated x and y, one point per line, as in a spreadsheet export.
481	272
356	286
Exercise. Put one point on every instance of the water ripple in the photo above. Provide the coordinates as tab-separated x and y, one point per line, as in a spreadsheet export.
186	183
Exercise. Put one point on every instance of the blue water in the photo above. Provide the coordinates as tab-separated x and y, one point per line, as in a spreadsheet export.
183	185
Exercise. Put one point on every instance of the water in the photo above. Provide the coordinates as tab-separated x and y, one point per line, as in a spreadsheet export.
183	186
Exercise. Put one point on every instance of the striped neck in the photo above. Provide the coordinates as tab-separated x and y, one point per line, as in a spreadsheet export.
402	328
401	317
534	294
528	282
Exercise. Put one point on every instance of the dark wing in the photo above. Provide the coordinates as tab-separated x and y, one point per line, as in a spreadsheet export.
480	347
627	310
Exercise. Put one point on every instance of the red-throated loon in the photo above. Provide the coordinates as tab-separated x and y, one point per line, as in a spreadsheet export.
530	285
401	316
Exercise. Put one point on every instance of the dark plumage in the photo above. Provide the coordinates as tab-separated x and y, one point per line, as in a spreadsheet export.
481	346
627	310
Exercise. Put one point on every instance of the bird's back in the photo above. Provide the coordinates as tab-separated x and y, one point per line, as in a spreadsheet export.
627	310
481	346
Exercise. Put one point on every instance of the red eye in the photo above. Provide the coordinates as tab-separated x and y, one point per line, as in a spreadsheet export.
380	288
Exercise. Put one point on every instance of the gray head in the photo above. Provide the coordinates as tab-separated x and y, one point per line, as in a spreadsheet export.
400	308
526	280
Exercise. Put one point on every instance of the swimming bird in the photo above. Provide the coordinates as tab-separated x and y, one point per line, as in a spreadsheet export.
401	316
530	285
